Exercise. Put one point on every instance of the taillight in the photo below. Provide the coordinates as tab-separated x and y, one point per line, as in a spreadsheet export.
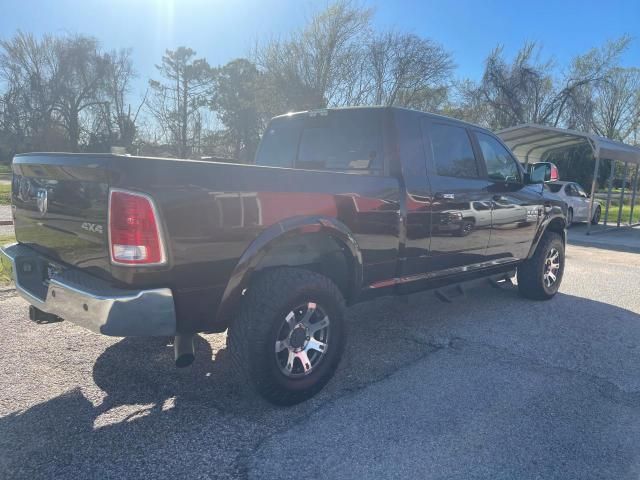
134	231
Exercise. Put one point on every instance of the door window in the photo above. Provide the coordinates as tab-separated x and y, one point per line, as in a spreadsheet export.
580	191
501	166
452	151
481	206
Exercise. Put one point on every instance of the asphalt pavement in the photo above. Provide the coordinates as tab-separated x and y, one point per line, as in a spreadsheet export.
491	386
5	213
5	219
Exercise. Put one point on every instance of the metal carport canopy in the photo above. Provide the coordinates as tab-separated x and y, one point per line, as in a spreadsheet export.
530	143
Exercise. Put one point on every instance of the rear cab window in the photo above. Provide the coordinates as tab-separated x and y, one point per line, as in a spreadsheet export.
553	187
279	145
338	140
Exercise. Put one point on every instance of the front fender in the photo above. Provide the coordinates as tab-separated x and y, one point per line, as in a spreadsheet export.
556	220
285	229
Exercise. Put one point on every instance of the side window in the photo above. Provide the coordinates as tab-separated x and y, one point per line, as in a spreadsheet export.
569	190
452	150
501	166
480	206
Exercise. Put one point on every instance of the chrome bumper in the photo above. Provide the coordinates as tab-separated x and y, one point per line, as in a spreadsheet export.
88	301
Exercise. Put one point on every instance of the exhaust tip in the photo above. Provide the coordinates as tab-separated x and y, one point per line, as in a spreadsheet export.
184	350
185	360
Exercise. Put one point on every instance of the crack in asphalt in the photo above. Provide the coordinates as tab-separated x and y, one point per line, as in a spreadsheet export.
244	458
607	389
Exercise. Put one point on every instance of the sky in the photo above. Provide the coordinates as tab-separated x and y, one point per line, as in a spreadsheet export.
221	30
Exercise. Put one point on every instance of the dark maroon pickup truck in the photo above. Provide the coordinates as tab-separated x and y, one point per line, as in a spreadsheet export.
342	205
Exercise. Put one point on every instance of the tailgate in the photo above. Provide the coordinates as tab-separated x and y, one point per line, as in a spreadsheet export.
60	205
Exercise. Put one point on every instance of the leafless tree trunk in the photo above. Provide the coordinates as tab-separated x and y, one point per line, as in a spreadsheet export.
526	90
176	103
405	68
617	103
314	66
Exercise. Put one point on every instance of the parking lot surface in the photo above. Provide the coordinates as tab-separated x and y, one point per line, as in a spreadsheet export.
491	386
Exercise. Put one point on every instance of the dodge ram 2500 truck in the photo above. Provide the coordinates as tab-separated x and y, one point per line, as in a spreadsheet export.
342	205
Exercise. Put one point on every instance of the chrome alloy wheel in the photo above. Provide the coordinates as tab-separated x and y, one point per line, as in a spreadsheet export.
551	267
302	341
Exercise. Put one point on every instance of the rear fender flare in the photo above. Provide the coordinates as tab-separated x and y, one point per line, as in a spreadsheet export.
289	228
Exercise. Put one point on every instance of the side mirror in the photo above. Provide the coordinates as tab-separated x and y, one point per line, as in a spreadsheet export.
543	172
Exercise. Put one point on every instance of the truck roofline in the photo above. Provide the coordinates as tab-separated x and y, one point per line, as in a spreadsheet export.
383	108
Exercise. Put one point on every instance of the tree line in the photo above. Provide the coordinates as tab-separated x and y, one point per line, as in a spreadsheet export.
66	93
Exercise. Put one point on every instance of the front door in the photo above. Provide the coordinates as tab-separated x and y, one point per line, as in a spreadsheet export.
516	208
582	202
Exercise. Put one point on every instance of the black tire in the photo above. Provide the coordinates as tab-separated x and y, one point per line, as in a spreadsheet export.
252	336
531	273
596	216
569	217
465	229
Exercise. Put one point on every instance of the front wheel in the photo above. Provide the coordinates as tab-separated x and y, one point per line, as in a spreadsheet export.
465	229
539	277
596	216
288	339
569	217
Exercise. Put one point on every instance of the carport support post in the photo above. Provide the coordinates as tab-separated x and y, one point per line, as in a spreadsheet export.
594	184
606	208
633	195
624	181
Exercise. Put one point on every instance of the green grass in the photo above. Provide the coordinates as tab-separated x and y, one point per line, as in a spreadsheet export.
626	210
5	270
6	169
5	194
615	198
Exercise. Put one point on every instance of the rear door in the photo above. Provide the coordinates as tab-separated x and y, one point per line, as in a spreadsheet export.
460	224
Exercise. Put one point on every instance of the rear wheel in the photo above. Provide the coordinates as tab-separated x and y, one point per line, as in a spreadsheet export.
596	216
288	339
539	277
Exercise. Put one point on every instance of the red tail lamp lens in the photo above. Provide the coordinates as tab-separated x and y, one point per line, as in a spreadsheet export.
134	234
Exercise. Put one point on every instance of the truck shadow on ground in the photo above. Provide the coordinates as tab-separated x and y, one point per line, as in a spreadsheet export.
154	418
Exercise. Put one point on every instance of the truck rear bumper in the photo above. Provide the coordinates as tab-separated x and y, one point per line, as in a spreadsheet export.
87	301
